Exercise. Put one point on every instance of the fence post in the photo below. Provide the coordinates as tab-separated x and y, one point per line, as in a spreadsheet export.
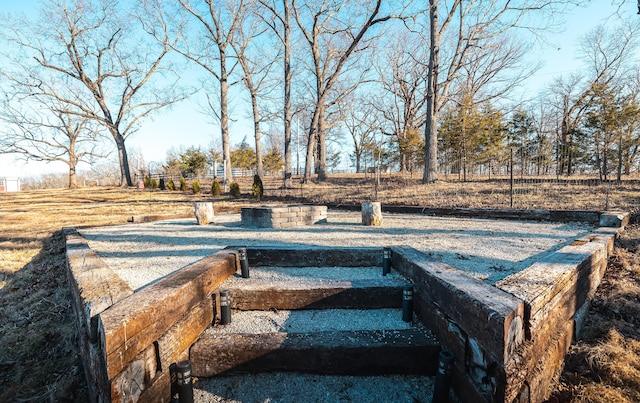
511	179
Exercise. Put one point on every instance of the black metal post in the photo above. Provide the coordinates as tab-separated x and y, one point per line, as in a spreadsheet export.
183	381
244	262
225	307
407	303
443	378
386	261
511	179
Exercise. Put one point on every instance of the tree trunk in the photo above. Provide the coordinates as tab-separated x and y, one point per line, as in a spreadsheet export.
619	170
402	149
605	157
287	94
322	146
125	173
566	140
73	161
73	178
311	145
431	128
256	131
224	118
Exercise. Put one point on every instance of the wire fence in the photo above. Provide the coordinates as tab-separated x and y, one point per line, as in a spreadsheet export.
580	193
498	192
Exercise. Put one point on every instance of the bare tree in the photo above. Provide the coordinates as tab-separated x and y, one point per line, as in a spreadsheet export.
466	26
491	71
361	122
631	125
281	26
49	132
334	31
402	74
606	53
256	61
546	132
209	45
93	48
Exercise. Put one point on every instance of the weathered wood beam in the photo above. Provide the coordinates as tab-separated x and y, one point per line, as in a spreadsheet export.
128	327
355	294
562	281
337	352
554	291
592	217
94	285
494	317
314	256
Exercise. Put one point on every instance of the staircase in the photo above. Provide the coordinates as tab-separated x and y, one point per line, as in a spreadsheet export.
331	320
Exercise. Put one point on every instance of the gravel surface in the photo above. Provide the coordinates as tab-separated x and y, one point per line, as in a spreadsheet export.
293	274
488	249
304	321
303	388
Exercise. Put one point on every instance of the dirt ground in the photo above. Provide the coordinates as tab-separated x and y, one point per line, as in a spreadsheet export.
39	358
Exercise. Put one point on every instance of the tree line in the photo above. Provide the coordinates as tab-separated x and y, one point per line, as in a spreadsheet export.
424	87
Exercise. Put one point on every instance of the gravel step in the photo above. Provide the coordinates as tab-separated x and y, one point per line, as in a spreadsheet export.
316	288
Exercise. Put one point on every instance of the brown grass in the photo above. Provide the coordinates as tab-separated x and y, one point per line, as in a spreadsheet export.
39	360
528	193
604	366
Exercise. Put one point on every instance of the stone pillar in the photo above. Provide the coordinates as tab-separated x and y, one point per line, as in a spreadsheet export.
203	212
372	214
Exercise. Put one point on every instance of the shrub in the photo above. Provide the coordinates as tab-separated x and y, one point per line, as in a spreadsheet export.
147	182
234	189
196	187
183	184
154	183
257	189
163	186
215	188
171	185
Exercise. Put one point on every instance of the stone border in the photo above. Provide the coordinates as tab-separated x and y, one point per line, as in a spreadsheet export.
283	216
509	340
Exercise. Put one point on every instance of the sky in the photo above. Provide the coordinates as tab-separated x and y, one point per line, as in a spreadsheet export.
184	125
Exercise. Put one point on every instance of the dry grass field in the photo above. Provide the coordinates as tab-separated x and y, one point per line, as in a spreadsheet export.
39	360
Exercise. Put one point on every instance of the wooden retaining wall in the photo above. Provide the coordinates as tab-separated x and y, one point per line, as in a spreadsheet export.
556	291
129	341
509	340
479	324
